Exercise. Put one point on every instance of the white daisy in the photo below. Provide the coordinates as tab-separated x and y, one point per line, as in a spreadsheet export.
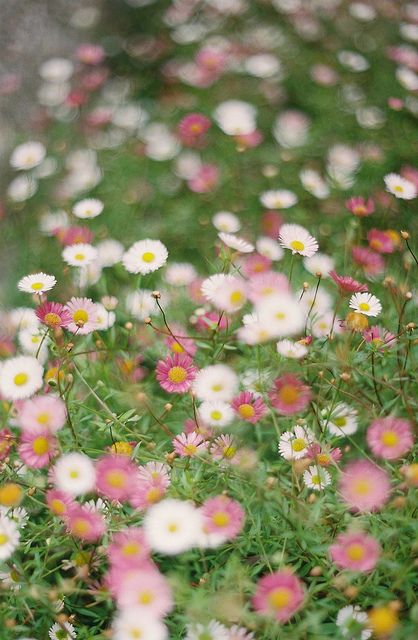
281	315
290	349
141	304
9	537
79	255
216	414
253	331
19	515
180	274
214	630
171	526
351	620
231	296
400	187
294	444
88	208
34	343
64	631
226	221
74	473
269	248
145	256
236	243
27	156
215	382
316	478
20	377
314	183
131	624
316	301
319	263
321	325
37	283
279	199
235	117
211	286
298	240
23	318
110	252
104	319
365	303
262	65
22	188
342	421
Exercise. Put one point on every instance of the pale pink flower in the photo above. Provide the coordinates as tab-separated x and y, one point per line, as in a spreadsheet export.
83	313
84	523
46	411
364	486
359	206
129	548
289	395
264	285
379	337
390	438
180	343
372	262
205	180
222	516
114	475
279	595
59	502
187	445
255	264
355	551
148	591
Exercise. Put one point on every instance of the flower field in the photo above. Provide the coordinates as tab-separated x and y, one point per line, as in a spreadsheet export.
208	340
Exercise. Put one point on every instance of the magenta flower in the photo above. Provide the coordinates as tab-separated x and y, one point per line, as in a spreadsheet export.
37	447
390	438
379	337
84	523
53	314
187	445
279	595
372	262
129	549
114	475
222	516
192	129
76	235
355	551
380	241
176	373
290	395
364	486
347	284
248	407
359	206
59	502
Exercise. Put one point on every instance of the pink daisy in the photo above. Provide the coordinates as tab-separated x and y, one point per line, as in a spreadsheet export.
149	485
223	516
205	180
255	264
59	502
360	207
248	407
84	523
271	222
180	343
176	373
372	262
192	129
37	447
379	337
323	457
53	314
46	411
290	395
355	551
148	591
390	438
249	140
279	595
157	472
263	285
128	548
347	284
363	486
83	314
223	447
114	475
187	445
380	241
76	235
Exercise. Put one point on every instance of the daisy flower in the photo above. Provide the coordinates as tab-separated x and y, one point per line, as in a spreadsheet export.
9	537
88	208
223	447
289	395
279	199
298	240
236	243
180	274
355	551
47	411
59	502
365	303
342	421
216	414
37	283
319	264
110	252
351	621
83	314
179	342
222	516
171	526
141	304
380	241
176	373
146	590
53	315
226	221
400	187
27	156
255	264
213	630
145	256
20	377
146	493
158	472
37	447
215	382
294	444
281	315
74	474
359	206
316	478
269	248
379	338
187	445
279	595
290	349
131	623
371	261
390	438
79	255
364	487
270	284
248	407
85	523
129	548
62	631
192	128
114	476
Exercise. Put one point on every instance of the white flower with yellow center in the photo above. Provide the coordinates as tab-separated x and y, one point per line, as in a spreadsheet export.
20	377
269	248
131	624
231	296
214	630
88	208
74	473
34	343
141	304
400	187
236	117
172	526
216	414
342	421
281	315
110	252
9	537
23	318
79	255
319	264
215	382
236	243
365	303
226	221
37	283
316	478
294	444
64	631
145	256
27	156
290	349
180	274
278	199
298	240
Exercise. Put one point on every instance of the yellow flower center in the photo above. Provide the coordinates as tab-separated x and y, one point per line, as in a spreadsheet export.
80	317
340	422
216	415
130	548
42	418
74	474
10	494
390	438
81	527
3	538
52	318
297	245
58	507
398	188
177	375
190	449
177	348
236	297
172	527
362	487
355	552
122	448
363	306
20	379
116	479
316	479
279	597
280	315
37	285
246	410
298	444
221	518
135	634
323	459
216	387
40	445
79	256
145	597
148	256
267	291
288	394
229	452
153	495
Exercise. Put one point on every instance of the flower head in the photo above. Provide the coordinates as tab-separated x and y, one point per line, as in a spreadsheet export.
390	438
46	411
37	283
84	523
347	284
360	207
83	312
355	551
88	208
365	303
294	444
20	377
316	478
298	240
279	595
114	476
145	256
37	447
400	187
9	537
222	516
176	373
171	526
351	621
289	395
129	548
248	407
364	487
53	315
74	474
187	445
